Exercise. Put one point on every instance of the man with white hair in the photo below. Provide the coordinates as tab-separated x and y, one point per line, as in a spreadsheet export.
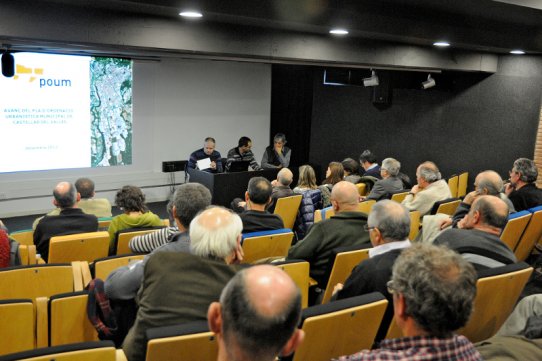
281	187
389	183
430	189
177	286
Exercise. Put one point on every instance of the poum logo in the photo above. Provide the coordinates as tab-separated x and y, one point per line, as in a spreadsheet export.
43	82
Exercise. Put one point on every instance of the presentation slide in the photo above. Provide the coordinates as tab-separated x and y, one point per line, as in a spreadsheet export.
63	111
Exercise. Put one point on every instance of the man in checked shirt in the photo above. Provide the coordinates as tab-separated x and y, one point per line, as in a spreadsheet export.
433	292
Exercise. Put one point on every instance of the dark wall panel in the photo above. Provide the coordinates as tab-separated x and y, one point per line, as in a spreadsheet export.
469	122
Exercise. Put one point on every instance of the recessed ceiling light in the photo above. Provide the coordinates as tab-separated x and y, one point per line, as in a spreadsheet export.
517	52
190	14
338	31
442	44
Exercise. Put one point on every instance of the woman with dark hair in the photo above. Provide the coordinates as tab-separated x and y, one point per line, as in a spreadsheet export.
311	200
334	174
131	200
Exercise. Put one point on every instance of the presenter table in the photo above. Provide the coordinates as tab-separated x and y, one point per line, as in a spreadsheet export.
225	187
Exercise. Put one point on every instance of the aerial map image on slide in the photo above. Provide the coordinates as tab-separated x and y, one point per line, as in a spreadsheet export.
111	111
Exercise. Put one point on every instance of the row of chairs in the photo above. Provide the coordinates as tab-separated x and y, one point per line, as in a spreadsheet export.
523	232
458	184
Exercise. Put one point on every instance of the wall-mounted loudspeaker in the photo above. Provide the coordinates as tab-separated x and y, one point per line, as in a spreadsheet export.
8	65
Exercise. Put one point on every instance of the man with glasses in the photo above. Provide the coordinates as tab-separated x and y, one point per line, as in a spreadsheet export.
433	291
345	228
242	152
277	155
522	190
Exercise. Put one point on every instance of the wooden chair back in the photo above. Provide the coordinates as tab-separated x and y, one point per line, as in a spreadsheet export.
287	208
104	266
498	290
298	270
399	197
362	189
258	245
125	237
512	232
448	207
329	212
366	206
340	328
462	184
342	268
453	183
25	237
39	281
68	321
27	254
78	247
415	223
19	326
531	235
188	342
103	223
86	351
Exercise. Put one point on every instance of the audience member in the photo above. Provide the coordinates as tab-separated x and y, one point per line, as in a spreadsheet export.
242	153
311	200
433	291
257	316
346	228
100	207
389	183
131	200
334	175
277	155
478	242
9	249
281	187
389	226
351	170
208	151
370	167
255	218
188	200
522	189
70	220
178	286
430	189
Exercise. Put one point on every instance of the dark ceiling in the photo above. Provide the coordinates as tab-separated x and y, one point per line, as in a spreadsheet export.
483	25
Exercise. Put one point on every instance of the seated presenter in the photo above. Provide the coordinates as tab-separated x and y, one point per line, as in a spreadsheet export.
206	159
277	155
242	153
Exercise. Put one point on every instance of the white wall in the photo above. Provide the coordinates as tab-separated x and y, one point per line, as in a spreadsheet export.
177	103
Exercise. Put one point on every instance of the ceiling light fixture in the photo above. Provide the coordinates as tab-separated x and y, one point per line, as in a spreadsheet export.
372	80
338	31
191	14
441	44
517	52
429	83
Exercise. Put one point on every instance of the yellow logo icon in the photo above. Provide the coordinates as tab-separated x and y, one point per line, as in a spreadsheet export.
23	70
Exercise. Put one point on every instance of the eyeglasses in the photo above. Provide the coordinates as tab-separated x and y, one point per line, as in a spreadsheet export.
367	228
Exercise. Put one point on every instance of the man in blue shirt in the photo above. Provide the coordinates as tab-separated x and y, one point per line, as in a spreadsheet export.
208	151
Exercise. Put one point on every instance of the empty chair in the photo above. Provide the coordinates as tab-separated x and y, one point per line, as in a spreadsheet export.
68	321
343	259
124	236
366	206
78	247
531	235
86	351
298	270
414	224
462	184
27	254
274	243
498	290
341	327
103	223
287	208
102	267
453	183
362	189
446	206
25	237
399	196
512	232
186	342
18	325
329	212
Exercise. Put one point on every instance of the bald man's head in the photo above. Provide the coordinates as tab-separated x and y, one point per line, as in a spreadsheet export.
493	211
65	195
345	196
285	177
260	309
488	182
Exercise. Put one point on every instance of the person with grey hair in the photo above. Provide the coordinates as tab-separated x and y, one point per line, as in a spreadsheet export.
390	182
522	190
389	226
188	200
257	316
70	220
433	292
281	187
277	155
179	286
479	240
430	189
